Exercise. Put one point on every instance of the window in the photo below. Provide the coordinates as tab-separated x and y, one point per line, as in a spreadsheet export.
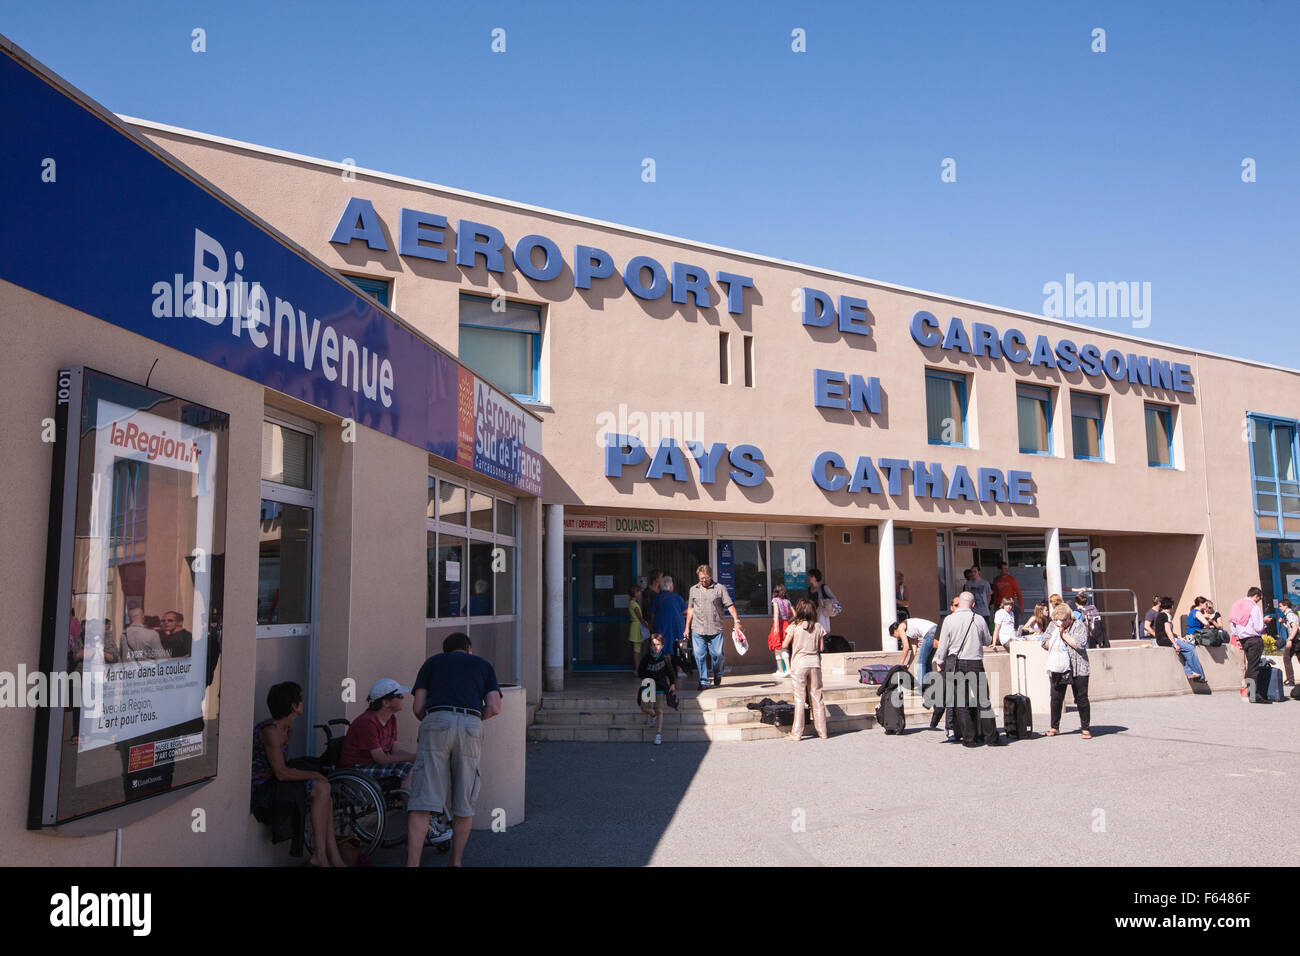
377	289
945	407
502	341
1034	413
471	550
724	358
790	563
1160	436
1273	475
1086	424
749	361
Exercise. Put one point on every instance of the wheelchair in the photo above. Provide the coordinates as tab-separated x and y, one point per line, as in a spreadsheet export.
368	812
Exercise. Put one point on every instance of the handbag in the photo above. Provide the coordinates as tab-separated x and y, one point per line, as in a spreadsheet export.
830	607
1058	659
741	642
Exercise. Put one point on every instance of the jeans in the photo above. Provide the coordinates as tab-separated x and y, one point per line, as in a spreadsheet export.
1191	663
707	648
1080	687
925	656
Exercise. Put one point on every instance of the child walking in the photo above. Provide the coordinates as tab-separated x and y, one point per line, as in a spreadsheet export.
656	666
782	613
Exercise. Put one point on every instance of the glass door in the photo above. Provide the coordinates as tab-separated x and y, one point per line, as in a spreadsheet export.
601	575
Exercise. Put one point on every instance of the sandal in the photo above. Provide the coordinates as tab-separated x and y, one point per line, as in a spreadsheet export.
1087	735
1051	733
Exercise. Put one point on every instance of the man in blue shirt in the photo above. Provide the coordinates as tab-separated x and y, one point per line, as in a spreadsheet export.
453	694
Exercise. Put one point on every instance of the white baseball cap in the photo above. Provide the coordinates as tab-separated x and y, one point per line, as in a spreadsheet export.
385	686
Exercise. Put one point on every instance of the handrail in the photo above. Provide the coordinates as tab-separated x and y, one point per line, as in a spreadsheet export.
1137	621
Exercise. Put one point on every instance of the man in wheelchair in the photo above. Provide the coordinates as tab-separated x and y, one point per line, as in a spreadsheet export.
370	746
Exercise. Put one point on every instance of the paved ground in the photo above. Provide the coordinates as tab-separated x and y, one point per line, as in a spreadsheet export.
1180	781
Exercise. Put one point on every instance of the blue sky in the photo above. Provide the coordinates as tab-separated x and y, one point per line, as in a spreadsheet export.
1122	166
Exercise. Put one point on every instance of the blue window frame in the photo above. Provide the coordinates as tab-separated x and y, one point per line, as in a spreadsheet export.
1273	475
1034	418
502	341
377	289
1160	436
945	407
1086	420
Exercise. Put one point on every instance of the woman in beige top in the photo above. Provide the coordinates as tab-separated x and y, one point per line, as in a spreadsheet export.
803	642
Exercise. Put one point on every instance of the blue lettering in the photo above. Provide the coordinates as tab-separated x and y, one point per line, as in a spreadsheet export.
960	486
707	458
925	330
1162	375
658	276
1139	369
817	308
1114	365
992	485
821	471
864	477
745	459
1090	360
985	340
474	239
368	227
736	286
894	468
550	268
1022	487
927	480
864	394
616	457
1067	355
1182	378
955	337
828	389
687	278
1016	338
853	316
1042	353
416	227
590	263
668	459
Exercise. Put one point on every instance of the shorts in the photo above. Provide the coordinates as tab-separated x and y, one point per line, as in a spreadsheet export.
660	699
445	776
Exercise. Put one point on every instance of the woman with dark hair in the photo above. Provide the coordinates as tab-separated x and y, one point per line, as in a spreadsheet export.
803	642
282	793
1166	636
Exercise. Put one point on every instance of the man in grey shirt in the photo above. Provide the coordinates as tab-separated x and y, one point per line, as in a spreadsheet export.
960	651
705	612
140	643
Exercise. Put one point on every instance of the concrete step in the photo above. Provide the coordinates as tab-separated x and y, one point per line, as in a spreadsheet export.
609	733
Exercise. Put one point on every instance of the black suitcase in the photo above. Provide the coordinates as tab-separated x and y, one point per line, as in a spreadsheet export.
1017	714
890	716
777	713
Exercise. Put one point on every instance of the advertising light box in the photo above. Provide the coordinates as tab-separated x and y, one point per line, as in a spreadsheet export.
135	564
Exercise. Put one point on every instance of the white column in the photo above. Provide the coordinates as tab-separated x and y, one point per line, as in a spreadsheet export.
553	645
888	592
1053	561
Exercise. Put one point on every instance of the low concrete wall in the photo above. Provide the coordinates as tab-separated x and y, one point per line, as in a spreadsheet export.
1135	669
501	762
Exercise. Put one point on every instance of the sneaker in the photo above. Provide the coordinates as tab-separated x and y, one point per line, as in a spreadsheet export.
703	686
951	739
659	738
439	830
717	680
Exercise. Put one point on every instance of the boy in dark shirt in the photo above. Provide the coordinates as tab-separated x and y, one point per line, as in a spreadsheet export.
657	668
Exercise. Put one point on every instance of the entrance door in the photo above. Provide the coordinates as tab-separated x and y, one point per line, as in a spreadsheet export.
601	575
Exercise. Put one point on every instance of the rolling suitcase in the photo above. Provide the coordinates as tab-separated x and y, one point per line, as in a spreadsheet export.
890	716
874	674
1270	679
1017	713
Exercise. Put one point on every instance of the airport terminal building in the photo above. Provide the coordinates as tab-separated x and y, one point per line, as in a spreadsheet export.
388	410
